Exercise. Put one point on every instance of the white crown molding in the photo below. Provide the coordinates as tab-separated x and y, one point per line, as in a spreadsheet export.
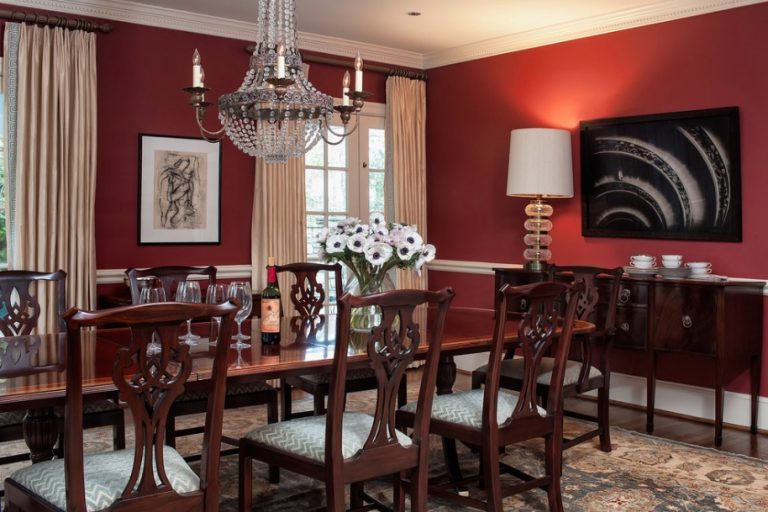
117	275
131	12
630	18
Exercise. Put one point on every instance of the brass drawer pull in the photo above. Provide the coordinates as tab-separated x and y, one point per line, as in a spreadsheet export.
625	295
523	304
624	326
687	321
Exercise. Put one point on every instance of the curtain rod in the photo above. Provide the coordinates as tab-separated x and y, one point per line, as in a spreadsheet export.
345	63
55	21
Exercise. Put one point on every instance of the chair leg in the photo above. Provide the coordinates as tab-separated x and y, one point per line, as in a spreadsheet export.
603	419
419	485
319	404
272	417
170	429
451	458
402	392
356	495
118	434
334	496
553	463
492	480
285	391
398	492
245	483
477	380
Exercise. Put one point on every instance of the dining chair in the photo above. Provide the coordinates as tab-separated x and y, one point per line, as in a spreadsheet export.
490	419
244	393
588	364
342	447
307	296
149	382
20	310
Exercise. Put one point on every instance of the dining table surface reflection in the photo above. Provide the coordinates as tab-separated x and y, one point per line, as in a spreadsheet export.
32	370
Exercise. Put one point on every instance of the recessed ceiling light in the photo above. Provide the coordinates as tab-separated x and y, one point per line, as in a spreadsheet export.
413	13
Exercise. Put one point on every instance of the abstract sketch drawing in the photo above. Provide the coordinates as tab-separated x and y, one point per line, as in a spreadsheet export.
180	190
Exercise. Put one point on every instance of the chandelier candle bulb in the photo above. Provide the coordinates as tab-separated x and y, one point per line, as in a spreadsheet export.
197	70
345	89
281	60
358	73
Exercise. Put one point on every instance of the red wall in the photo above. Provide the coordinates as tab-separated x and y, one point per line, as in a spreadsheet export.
696	63
141	71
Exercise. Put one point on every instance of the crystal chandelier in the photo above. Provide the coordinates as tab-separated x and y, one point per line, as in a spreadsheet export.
277	113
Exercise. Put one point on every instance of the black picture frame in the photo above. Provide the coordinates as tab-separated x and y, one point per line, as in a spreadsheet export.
179	199
669	176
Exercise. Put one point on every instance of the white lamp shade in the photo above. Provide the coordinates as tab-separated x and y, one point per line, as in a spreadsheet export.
540	163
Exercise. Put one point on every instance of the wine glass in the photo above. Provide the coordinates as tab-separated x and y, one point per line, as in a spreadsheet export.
242	292
150	295
189	291
216	294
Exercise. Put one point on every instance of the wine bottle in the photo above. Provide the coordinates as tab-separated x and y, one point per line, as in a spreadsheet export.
270	307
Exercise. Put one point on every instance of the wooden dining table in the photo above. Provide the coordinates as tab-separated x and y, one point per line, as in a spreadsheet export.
32	369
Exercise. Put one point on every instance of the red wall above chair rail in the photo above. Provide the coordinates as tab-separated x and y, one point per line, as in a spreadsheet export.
141	71
694	63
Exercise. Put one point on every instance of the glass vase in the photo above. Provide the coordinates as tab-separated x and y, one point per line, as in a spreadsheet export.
363	319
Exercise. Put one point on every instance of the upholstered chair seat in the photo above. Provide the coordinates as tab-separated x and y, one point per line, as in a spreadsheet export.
466	407
106	475
513	369
306	436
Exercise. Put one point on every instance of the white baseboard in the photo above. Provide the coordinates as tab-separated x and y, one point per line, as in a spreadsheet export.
688	400
692	401
117	275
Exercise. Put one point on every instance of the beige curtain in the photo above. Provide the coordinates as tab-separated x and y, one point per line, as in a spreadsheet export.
406	154
55	160
278	226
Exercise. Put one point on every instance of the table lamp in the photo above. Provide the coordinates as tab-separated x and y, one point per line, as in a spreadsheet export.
539	167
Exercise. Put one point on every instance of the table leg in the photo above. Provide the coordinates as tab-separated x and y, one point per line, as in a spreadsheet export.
41	431
446	375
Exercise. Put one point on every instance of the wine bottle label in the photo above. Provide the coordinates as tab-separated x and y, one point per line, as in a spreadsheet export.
270	315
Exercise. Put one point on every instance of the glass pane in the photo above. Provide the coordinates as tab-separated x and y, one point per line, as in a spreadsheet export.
314	156
376	149
314	224
376	191
337	155
337	191
314	184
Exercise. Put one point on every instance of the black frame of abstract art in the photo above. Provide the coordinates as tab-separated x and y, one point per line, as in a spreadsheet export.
672	176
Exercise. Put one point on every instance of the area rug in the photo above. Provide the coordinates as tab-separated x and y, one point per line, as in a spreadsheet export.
642	473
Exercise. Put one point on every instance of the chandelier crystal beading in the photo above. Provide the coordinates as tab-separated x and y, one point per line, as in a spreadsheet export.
276	113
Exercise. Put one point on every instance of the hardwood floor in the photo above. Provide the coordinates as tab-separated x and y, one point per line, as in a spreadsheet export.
735	440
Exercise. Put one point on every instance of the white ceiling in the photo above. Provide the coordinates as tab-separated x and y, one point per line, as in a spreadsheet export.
447	31
443	24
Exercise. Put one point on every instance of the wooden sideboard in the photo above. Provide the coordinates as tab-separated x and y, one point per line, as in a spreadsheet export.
719	320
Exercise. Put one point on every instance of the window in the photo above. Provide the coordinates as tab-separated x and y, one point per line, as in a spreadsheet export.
345	180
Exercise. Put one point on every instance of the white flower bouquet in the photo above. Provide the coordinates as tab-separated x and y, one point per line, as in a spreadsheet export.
371	250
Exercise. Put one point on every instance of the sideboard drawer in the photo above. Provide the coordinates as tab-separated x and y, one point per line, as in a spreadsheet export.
686	319
631	328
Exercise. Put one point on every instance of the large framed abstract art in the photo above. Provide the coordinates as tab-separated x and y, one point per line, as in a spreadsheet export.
179	190
673	176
